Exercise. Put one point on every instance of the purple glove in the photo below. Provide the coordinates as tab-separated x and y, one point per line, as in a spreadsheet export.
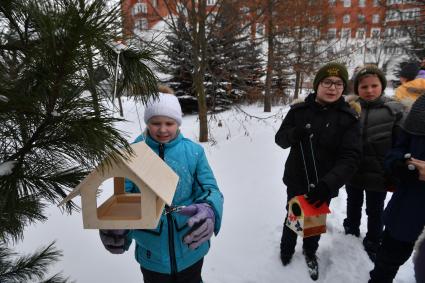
201	221
114	240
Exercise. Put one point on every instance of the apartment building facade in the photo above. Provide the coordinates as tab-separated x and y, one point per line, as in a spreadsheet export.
347	19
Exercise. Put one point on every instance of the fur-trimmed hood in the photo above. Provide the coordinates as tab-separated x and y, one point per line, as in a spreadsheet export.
352	100
394	105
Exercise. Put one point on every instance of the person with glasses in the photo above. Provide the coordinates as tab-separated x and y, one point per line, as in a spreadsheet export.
380	118
323	133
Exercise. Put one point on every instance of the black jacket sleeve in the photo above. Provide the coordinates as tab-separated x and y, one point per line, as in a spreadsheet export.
284	137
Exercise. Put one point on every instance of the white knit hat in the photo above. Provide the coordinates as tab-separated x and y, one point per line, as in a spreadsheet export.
164	105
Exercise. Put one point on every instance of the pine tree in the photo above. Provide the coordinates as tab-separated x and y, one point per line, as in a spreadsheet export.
55	124
178	64
234	64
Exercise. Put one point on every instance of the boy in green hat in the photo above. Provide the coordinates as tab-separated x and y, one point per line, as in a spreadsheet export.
323	133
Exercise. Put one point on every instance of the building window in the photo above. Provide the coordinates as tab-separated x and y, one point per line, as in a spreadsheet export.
361	18
360	33
362	3
211	2
331	19
375	18
154	3
139	8
346	33
375	3
346	19
392	15
347	3
141	24
332	33
375	32
332	3
410	14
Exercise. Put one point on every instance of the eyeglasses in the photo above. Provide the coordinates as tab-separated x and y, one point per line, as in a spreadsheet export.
329	83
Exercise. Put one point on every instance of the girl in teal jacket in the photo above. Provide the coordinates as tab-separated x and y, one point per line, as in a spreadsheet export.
174	251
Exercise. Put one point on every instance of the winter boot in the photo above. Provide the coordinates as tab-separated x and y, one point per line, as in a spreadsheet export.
350	230
371	247
312	265
286	258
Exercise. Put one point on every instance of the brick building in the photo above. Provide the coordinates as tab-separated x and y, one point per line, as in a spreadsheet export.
372	18
355	19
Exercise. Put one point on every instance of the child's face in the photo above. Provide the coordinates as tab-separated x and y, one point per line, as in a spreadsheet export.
369	88
330	90
162	129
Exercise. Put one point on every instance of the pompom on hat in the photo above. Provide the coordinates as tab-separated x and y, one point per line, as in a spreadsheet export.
165	104
369	70
331	70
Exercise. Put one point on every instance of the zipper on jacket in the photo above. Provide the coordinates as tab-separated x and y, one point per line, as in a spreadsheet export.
171	245
171	248
161	151
364	134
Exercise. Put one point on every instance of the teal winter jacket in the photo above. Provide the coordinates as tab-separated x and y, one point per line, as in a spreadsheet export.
162	249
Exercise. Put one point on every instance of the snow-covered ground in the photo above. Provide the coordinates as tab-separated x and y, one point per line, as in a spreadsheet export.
248	167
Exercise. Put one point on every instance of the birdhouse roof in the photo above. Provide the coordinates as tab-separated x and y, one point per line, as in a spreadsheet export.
145	165
310	210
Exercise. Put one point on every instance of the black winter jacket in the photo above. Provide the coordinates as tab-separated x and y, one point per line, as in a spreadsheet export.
336	144
380	120
404	213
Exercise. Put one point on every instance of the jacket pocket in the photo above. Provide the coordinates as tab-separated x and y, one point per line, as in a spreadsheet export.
151	244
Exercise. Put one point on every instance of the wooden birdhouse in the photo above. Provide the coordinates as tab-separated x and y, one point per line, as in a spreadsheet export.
305	219
157	183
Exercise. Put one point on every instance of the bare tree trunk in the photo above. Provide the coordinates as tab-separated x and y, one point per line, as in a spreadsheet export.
297	84
270	58
120	105
199	49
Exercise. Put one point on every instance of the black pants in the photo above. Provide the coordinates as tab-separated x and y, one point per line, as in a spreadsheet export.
289	241
391	255
374	210
192	274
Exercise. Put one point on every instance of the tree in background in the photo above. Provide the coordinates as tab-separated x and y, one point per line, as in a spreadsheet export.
234	62
54	58
178	64
206	31
410	20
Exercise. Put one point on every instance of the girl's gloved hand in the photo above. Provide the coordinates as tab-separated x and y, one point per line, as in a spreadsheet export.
201	220
114	240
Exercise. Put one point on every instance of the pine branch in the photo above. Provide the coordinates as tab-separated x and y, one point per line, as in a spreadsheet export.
30	267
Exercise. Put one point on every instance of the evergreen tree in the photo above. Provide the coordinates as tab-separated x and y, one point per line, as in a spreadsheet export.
55	124
178	64
234	65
